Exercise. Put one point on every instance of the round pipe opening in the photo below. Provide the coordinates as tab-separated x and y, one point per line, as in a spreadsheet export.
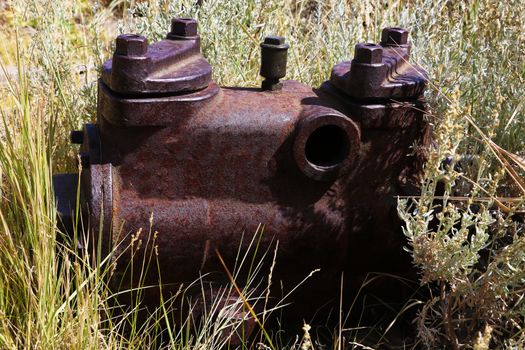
327	146
326	143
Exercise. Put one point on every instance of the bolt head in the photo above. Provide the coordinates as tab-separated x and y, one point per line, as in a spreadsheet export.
131	45
183	27
274	40
368	53
394	36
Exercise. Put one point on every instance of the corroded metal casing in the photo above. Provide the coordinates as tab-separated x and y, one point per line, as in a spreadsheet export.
203	164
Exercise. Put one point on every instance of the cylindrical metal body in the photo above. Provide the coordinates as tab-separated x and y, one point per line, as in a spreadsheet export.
185	170
203	177
217	172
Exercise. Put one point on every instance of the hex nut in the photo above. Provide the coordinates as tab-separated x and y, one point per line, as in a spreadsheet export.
183	28
132	45
394	36
274	40
368	53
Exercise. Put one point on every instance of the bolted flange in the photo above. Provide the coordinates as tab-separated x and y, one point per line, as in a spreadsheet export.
138	68
381	71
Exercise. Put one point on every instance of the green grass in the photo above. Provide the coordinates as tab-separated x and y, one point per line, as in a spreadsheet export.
51	297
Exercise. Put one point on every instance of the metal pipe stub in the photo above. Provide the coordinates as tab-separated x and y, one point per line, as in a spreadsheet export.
274	54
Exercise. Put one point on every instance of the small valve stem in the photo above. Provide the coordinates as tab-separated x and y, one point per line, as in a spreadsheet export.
274	54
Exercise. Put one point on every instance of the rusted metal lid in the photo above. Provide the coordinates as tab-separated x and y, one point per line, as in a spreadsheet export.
170	66
380	72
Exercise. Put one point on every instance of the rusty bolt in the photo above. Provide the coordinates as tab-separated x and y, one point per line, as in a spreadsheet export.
393	36
183	28
274	54
131	45
273	57
368	53
76	137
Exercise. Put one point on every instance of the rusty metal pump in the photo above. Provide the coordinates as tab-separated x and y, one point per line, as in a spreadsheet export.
320	168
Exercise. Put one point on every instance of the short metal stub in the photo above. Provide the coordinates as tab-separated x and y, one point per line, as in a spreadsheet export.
76	137
274	55
326	143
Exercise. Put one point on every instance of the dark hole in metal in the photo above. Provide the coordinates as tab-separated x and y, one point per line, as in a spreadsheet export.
327	146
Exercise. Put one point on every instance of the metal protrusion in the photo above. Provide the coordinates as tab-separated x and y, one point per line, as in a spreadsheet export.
394	36
76	137
84	160
65	188
131	45
368	53
274	54
183	29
